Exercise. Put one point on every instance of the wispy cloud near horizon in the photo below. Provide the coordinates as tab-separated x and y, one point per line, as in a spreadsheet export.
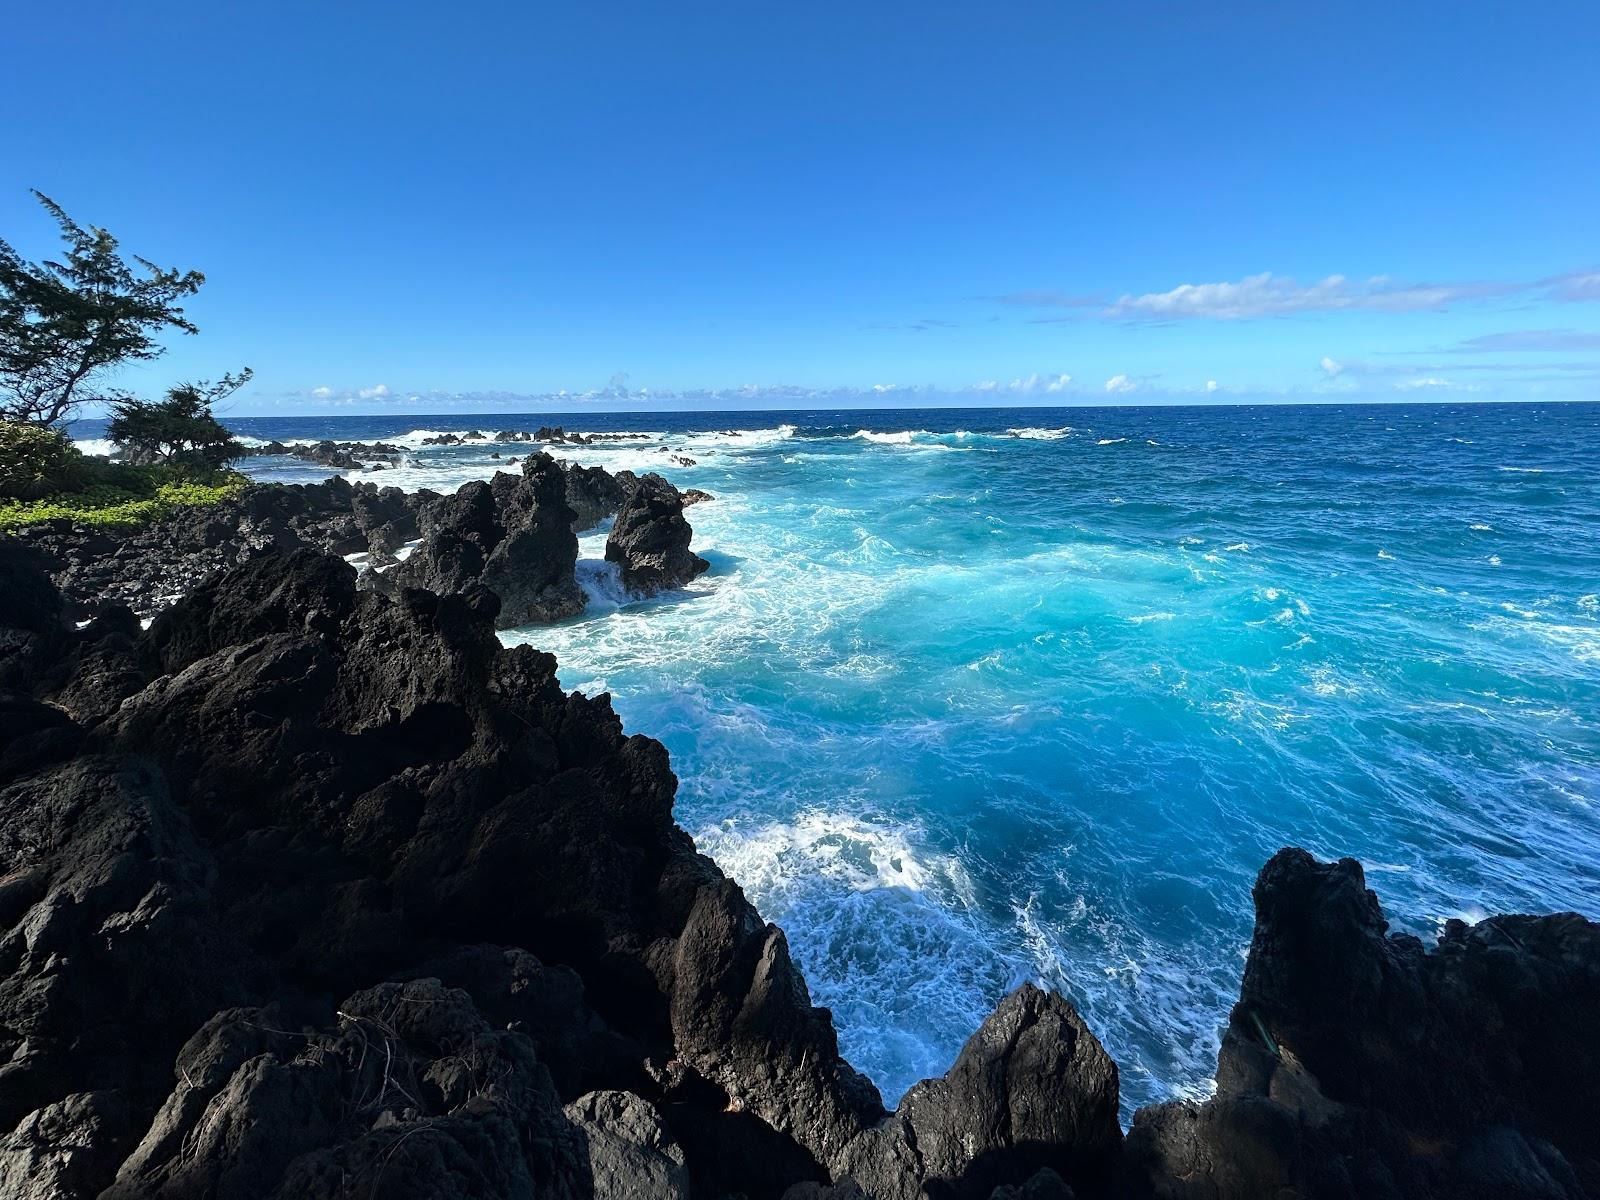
1271	295
1559	340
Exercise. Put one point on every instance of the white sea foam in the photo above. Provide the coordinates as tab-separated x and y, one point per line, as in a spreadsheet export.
601	582
97	447
1041	435
1111	441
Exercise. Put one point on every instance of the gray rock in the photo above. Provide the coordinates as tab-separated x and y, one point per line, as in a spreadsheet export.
631	1155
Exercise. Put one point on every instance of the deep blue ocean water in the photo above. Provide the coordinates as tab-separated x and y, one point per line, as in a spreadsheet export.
972	697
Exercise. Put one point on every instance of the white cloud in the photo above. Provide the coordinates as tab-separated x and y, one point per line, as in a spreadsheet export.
322	393
1330	367
880	388
373	393
1211	385
1427	381
988	385
1033	383
1120	383
1269	295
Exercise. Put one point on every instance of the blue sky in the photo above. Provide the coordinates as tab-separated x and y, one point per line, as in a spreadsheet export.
724	205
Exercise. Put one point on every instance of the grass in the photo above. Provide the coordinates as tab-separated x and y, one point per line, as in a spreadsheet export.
119	496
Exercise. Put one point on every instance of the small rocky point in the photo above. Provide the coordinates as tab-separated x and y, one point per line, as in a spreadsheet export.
512	535
311	890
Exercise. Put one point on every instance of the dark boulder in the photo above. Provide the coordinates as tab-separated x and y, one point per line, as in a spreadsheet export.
650	540
1359	1063
1032	1091
595	494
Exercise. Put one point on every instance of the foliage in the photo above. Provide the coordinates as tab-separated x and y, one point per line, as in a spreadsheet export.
64	324
179	430
35	461
119	495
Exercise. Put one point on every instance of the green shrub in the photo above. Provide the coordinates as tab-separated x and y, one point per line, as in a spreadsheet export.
36	461
118	495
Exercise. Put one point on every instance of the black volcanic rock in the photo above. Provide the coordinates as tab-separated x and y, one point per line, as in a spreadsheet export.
1359	1063
650	540
512	536
595	494
1032	1090
342	456
149	566
532	569
307	891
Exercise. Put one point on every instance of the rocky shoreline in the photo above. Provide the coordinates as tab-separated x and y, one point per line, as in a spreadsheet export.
514	534
313	888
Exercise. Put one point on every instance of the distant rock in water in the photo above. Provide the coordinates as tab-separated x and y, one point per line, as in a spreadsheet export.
650	540
342	456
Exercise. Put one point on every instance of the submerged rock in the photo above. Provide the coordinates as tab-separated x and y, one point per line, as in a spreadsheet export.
650	540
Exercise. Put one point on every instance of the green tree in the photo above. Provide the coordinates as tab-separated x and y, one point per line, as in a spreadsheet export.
65	324
180	430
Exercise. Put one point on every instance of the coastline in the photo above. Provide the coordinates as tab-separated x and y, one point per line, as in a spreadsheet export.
1286	1059
942	808
661	1033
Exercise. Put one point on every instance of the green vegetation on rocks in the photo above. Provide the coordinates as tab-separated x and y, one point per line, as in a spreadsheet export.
118	495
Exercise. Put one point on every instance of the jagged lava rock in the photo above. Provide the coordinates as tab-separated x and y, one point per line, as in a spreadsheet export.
512	536
650	540
1357	1063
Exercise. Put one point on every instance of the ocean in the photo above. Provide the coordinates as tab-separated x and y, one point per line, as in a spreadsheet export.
971	697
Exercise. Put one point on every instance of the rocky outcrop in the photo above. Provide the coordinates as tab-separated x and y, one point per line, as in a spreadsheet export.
512	535
650	540
1032	1090
595	494
553	434
282	898
341	456
1358	1063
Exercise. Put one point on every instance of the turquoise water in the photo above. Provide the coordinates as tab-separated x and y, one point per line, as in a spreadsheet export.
976	697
